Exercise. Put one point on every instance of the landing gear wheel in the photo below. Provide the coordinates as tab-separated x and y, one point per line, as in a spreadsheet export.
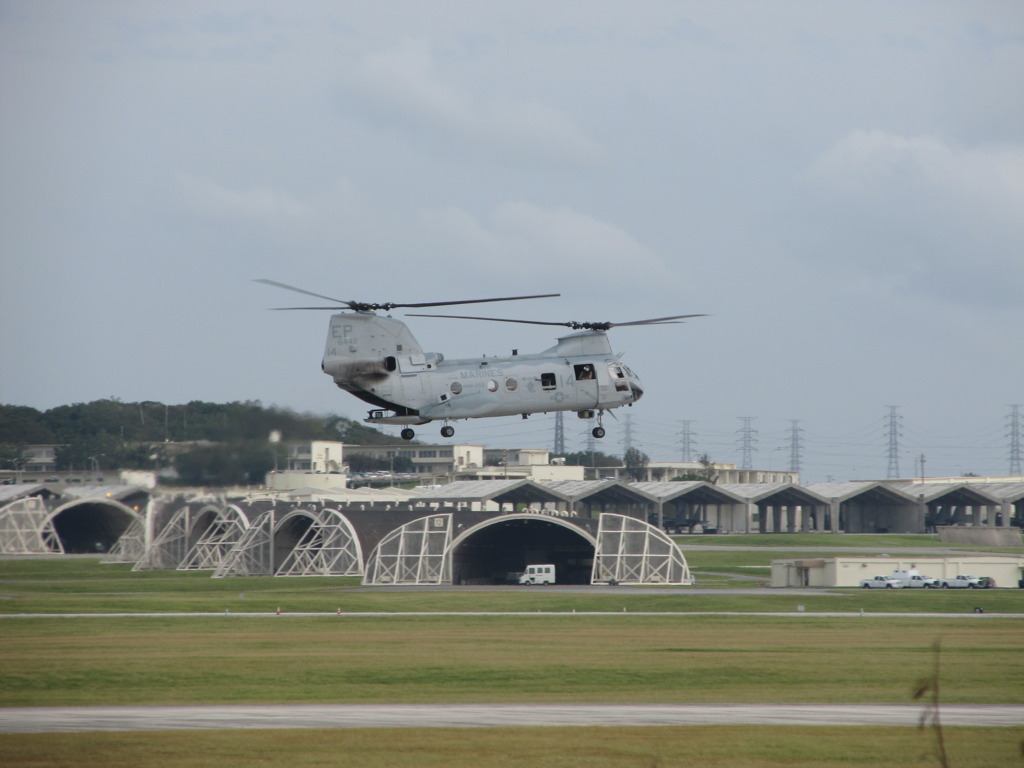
408	434
598	432
447	431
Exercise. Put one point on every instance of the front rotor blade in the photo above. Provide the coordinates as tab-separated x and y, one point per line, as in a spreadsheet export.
302	290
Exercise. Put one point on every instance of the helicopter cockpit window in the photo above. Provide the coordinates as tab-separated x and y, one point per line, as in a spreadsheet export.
619	377
547	381
584	371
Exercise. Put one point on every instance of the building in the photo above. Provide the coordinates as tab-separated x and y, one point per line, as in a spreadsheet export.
720	473
1007	570
428	461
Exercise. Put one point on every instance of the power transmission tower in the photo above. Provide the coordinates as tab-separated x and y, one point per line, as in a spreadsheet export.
748	437
894	442
559	434
1015	455
627	433
686	441
794	445
590	442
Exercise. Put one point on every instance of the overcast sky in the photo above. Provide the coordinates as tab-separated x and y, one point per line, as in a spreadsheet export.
839	185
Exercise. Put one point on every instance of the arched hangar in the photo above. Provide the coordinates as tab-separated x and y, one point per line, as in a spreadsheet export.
439	549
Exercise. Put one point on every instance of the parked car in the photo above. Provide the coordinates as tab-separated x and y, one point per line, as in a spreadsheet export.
961	581
881	582
986	582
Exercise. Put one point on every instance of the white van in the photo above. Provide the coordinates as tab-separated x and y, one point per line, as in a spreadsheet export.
538	574
912	579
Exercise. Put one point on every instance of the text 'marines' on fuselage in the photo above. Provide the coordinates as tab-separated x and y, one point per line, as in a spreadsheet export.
377	359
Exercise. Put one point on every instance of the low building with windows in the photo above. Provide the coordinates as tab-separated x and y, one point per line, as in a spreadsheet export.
427	461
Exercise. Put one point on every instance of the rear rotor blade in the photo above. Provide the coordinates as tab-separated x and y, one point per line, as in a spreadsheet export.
656	320
574	324
474	301
492	319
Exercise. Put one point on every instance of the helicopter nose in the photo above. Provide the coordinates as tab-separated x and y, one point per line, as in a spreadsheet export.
637	390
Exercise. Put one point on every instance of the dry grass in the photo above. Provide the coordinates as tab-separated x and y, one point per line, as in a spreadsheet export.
612	747
616	658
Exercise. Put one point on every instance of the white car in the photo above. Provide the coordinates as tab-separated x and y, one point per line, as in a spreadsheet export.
961	581
881	582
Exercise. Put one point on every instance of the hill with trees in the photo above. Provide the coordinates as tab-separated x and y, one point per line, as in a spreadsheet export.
206	442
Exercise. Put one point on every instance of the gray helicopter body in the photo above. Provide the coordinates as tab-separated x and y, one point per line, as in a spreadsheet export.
377	359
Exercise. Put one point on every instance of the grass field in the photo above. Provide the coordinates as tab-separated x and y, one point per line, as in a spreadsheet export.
611	747
881	542
549	655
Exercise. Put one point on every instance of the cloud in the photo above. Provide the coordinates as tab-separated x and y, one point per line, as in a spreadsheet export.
401	84
558	242
254	203
935	218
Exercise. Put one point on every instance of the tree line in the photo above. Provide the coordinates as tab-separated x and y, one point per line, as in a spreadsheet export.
206	443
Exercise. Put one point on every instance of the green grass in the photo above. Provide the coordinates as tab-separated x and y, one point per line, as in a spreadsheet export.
535	658
878	541
609	747
618	657
84	585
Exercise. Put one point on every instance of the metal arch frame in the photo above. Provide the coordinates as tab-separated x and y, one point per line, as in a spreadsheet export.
418	552
617	559
169	547
130	546
253	555
563	522
26	528
329	547
217	539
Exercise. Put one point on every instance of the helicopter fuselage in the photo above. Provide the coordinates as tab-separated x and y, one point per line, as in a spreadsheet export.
377	359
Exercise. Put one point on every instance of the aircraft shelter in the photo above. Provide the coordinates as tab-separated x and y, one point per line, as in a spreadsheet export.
470	532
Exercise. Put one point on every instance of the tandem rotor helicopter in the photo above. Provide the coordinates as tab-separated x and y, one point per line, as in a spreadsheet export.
377	359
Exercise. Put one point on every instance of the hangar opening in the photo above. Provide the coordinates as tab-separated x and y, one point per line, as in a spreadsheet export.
498	551
289	533
90	527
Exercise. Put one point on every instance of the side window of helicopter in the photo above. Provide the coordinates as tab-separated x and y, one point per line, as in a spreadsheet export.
390	363
456	388
618	377
585	372
511	384
547	381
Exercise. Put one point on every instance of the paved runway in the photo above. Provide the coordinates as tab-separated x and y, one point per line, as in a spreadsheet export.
159	718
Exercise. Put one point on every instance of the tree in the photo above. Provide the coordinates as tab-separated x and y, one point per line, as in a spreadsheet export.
591	459
706	474
636	462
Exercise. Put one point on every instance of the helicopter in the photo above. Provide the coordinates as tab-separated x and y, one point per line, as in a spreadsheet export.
377	359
